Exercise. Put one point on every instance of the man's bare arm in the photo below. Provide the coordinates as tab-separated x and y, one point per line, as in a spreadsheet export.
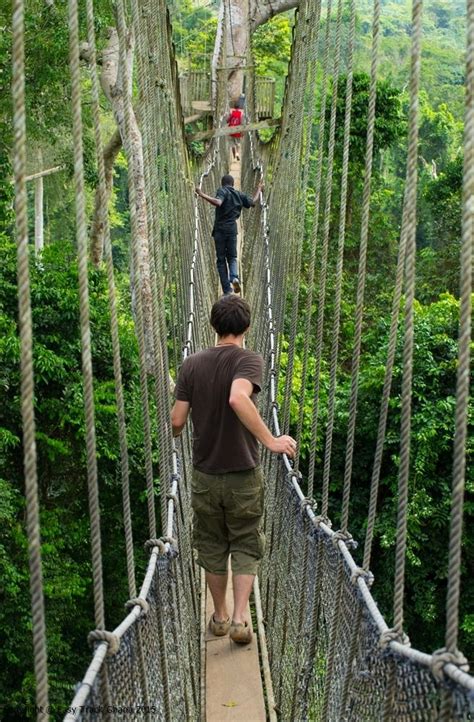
179	416
213	201
256	195
241	403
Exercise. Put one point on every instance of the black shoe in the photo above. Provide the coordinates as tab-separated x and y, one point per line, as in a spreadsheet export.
236	285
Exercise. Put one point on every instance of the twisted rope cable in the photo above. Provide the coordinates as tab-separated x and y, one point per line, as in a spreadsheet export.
340	258
26	360
136	266
324	259
312	266
81	235
362	271
410	200
462	385
146	67
114	330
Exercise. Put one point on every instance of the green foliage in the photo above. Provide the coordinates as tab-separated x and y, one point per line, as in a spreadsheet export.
194	33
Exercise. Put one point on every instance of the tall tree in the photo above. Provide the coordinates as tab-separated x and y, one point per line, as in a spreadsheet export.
242	17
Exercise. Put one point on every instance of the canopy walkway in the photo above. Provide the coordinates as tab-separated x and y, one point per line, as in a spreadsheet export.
331	654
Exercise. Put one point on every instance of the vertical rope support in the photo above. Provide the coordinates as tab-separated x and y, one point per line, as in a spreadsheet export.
340	257
324	253
136	265
114	331
81	235
26	343
462	389
411	191
362	269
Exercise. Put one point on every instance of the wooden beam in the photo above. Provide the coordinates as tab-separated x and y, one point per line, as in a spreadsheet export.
229	130
43	173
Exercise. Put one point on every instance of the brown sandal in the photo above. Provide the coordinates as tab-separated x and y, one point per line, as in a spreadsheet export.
241	632
219	629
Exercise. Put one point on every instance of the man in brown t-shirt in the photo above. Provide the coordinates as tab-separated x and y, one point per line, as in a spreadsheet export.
219	386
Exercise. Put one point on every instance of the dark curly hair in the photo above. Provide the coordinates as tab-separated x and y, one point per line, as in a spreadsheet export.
230	315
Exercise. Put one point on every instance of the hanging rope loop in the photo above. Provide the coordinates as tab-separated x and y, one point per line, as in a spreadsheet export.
101	635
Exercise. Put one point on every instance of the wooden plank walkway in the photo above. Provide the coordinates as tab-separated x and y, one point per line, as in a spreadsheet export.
234	691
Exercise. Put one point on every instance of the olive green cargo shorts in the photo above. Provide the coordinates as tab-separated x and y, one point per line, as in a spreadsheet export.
228	511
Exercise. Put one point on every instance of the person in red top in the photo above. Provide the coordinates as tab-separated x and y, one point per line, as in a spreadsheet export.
236	117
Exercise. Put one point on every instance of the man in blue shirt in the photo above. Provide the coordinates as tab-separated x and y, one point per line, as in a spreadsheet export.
228	203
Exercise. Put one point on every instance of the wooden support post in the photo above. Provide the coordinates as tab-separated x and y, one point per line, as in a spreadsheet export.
43	173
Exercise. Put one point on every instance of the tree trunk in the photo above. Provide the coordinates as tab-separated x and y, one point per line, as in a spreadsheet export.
111	151
114	87
242	18
237	46
263	10
39	210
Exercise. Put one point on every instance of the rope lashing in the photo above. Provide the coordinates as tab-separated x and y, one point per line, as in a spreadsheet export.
322	519
140	602
441	657
345	537
101	635
393	635
161	544
307	503
359	573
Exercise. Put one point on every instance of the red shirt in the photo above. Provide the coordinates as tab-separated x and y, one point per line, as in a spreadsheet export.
235	118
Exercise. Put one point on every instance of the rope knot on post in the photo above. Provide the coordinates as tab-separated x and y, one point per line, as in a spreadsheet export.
172	496
101	635
441	657
367	576
346	537
393	635
140	602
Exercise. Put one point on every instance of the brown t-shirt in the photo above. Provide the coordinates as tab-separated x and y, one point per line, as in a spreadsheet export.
221	443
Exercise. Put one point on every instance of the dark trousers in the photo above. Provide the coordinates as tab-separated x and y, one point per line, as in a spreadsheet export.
226	255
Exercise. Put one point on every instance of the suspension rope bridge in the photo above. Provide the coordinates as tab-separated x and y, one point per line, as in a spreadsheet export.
332	656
